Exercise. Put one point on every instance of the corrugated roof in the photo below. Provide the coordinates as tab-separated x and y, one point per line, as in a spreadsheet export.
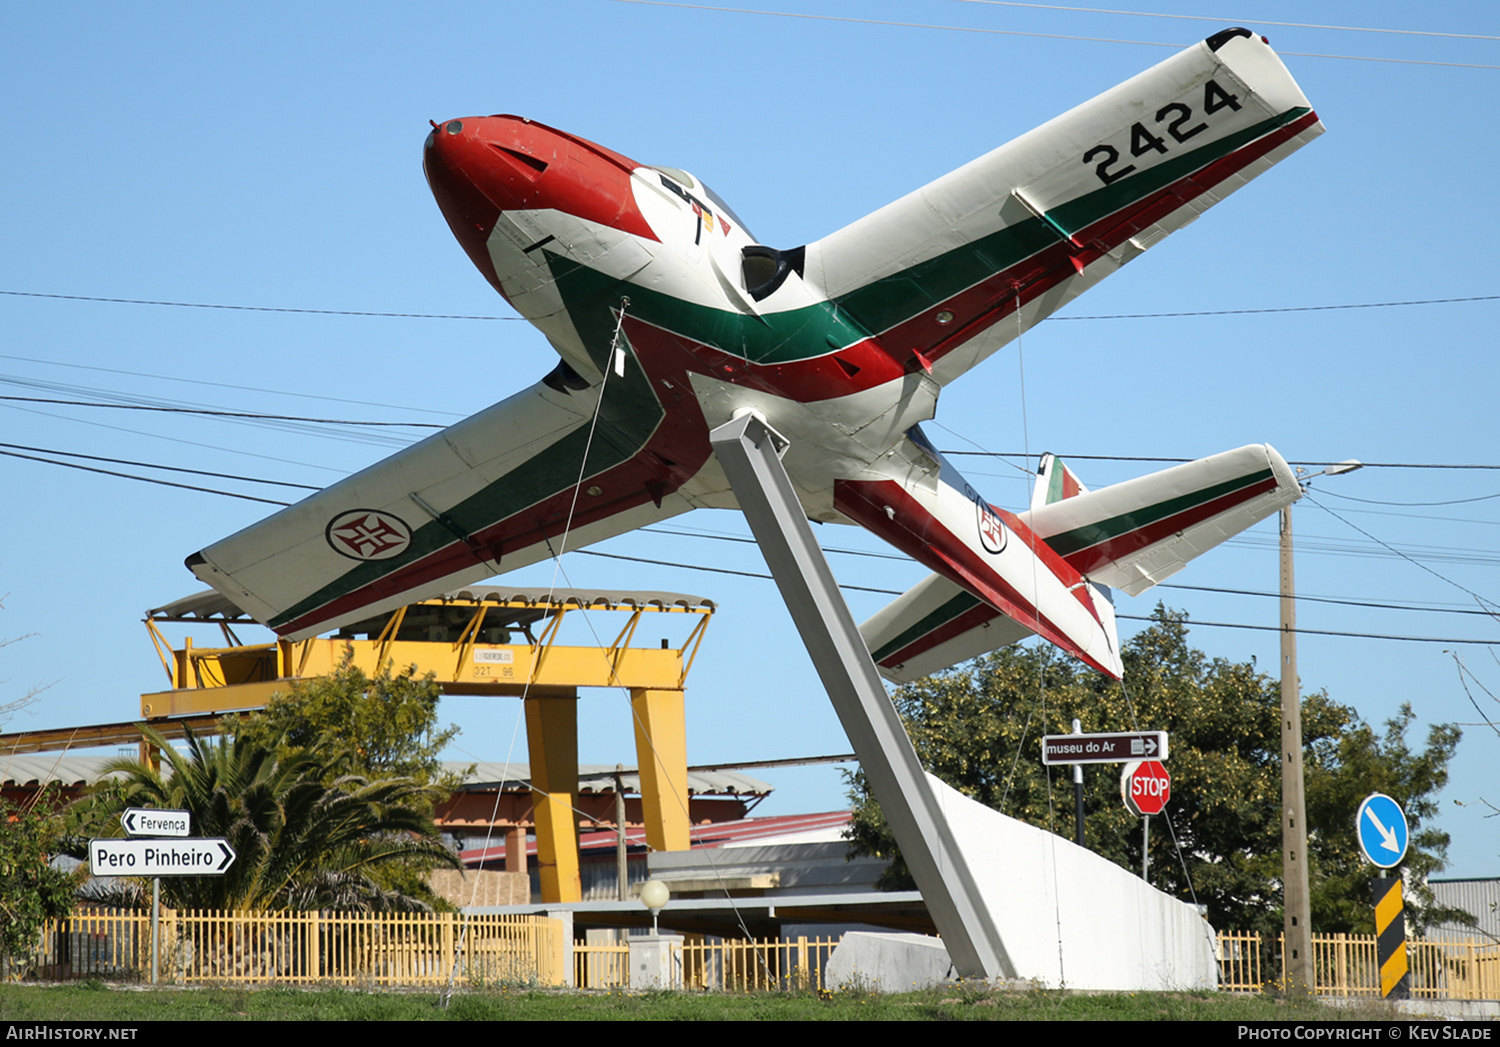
72	771
747	831
214	606
25	770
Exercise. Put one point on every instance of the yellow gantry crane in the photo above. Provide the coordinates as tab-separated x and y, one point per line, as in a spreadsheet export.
476	642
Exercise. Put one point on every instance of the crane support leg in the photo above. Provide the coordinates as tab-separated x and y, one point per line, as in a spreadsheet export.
552	738
661	755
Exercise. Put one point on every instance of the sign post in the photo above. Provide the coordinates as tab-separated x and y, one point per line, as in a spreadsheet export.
147	854
1077	749
1383	837
1145	786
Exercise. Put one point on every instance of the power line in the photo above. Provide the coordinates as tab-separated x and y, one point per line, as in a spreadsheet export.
454	316
218	414
1379	501
153	465
747	574
253	308
1017	32
1316	632
1482	601
1285	308
222	385
145	479
1149	458
1329	600
1230	21
1377	605
1128	617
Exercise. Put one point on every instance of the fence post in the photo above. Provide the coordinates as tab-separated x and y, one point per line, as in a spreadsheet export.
449	957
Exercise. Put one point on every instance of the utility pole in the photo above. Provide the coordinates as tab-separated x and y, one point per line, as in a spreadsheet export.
1296	895
1296	929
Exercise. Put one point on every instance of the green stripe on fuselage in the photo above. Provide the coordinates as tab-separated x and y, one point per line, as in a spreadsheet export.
959	604
627	418
893	299
1070	542
811	331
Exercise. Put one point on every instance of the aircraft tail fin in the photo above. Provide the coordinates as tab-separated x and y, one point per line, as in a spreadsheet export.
1135	534
1055	482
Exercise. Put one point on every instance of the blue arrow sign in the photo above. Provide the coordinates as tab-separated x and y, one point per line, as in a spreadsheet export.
1381	825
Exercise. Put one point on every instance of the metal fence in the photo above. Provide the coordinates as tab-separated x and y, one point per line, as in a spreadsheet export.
304	948
1345	965
370	949
720	964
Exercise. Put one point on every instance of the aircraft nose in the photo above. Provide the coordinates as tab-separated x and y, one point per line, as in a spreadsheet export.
454	162
478	167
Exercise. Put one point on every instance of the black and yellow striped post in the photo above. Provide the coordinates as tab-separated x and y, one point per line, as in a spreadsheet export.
1390	940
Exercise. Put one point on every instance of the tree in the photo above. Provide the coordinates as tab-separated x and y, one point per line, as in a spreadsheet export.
31	890
389	722
12	705
978	729
308	832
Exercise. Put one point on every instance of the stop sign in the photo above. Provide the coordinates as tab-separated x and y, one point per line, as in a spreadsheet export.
1145	787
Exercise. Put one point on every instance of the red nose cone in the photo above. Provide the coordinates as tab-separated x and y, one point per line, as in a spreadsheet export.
453	156
480	166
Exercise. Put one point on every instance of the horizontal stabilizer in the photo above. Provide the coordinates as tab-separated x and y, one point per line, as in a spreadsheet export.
934	624
1135	534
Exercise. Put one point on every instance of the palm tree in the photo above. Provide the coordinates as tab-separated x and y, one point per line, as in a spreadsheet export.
307	835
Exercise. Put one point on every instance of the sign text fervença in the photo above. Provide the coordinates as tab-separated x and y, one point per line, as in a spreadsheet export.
145	821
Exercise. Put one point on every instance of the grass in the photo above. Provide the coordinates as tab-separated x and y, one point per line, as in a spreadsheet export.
96	1001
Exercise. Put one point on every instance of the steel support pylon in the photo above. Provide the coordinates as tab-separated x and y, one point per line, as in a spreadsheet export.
749	451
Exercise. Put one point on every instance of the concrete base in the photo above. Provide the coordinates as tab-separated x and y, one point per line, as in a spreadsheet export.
887	962
655	963
1070	918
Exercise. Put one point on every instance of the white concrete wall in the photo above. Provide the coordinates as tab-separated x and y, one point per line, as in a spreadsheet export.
1071	918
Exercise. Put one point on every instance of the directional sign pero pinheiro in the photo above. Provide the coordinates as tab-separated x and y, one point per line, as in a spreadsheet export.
1103	748
205	857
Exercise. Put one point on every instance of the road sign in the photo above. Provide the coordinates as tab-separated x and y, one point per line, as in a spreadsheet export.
139	821
1103	748
1145	787
1381	824
206	857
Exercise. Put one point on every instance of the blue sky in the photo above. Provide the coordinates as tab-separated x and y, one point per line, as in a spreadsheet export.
269	155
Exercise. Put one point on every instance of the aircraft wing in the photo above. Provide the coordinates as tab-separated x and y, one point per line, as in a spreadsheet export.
1046	216
494	492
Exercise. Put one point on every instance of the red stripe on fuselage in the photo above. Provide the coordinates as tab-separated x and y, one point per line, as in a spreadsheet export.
916	532
973	618
1111	549
979	307
673	454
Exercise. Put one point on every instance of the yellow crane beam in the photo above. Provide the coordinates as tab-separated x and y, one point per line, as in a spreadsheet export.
462	639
